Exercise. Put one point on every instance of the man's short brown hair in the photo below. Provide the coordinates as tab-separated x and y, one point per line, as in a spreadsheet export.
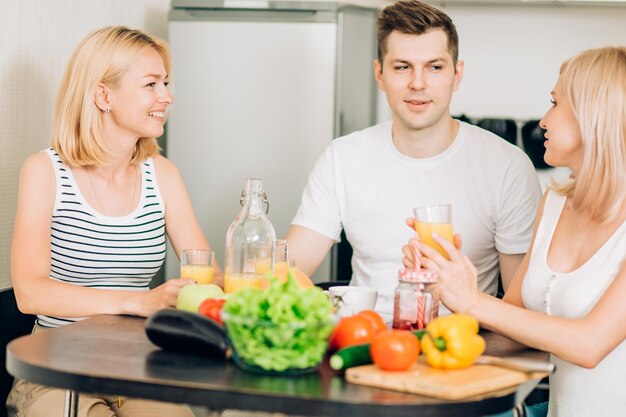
416	18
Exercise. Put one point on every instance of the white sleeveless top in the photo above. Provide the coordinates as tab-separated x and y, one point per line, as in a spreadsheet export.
576	391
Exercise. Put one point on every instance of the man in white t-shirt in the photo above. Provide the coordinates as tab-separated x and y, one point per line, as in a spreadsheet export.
368	182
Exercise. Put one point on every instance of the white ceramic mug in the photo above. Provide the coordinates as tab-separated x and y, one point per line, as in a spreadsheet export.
349	300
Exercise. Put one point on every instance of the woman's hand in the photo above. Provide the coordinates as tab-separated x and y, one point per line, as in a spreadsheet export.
163	296
458	277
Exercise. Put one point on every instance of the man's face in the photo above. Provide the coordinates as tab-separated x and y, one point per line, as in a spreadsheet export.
418	76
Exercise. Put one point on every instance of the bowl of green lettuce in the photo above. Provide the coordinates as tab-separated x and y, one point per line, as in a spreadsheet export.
282	330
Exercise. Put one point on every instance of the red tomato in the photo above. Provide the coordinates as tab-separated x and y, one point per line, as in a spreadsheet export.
395	350
377	322
212	308
353	330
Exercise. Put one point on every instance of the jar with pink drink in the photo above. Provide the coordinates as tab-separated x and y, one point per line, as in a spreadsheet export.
416	299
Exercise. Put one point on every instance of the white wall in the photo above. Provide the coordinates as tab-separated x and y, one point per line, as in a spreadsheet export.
37	38
512	54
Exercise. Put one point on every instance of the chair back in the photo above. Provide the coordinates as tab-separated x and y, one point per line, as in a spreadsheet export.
13	324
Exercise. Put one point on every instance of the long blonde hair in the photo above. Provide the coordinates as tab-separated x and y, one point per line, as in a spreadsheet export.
595	85
102	57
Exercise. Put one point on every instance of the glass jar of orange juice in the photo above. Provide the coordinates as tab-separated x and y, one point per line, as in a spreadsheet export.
250	242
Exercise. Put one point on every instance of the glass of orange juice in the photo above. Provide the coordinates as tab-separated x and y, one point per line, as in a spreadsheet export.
197	264
260	255
257	260
434	219
281	261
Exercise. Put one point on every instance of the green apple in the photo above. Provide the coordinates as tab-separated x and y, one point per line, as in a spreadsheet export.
191	296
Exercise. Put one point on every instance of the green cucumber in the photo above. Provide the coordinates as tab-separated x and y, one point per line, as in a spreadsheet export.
351	356
357	355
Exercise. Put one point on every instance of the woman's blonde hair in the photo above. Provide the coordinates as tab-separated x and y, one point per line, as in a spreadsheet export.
595	85
102	57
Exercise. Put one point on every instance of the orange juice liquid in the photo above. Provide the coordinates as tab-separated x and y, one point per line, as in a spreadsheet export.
281	268
426	230
202	274
236	282
263	266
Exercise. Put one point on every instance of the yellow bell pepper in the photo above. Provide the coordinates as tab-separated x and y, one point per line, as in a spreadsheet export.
452	342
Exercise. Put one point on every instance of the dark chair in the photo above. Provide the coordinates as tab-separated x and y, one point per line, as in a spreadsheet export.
532	139
505	128
13	324
464	118
327	284
342	253
540	394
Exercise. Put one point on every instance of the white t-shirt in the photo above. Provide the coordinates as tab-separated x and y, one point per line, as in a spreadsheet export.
577	391
365	185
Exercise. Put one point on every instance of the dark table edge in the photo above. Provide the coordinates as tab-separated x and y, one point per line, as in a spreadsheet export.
220	400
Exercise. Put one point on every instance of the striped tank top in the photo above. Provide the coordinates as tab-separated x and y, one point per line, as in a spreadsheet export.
97	251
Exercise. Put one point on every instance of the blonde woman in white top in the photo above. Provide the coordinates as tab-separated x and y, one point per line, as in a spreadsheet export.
567	297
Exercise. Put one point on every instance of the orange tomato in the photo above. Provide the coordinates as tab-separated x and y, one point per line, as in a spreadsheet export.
353	330
395	350
377	322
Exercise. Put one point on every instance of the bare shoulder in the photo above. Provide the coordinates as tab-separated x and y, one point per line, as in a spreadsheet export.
37	168
166	170
168	176
37	186
38	161
162	164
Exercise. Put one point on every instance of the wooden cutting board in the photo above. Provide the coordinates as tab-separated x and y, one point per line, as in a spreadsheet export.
450	385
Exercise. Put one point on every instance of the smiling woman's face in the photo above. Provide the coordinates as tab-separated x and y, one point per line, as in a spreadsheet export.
564	144
140	101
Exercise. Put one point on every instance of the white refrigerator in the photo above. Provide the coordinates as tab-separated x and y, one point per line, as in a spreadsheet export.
261	88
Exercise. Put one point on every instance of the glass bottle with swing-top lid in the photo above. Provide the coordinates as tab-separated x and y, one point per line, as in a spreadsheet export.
250	242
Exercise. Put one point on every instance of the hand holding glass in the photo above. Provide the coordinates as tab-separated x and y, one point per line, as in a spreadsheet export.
434	219
197	264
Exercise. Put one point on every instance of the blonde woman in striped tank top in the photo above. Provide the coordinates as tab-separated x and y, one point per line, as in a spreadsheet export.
94	209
